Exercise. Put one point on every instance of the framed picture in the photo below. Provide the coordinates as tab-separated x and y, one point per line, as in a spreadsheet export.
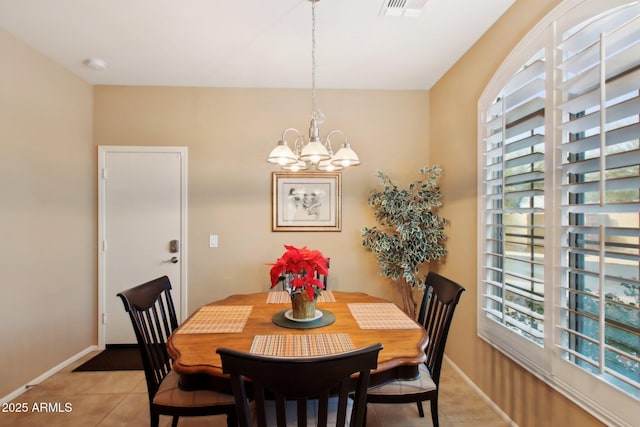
306	201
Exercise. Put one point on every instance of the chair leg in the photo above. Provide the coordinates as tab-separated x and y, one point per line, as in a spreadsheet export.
420	410
434	412
154	418
232	419
174	422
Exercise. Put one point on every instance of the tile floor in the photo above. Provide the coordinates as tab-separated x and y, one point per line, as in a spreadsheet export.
119	398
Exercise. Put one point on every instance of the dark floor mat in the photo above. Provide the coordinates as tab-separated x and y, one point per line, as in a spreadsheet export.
114	358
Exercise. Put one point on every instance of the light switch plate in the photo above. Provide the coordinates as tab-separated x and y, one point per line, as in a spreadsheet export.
213	240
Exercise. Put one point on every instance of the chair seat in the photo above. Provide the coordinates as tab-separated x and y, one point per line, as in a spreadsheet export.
170	394
422	384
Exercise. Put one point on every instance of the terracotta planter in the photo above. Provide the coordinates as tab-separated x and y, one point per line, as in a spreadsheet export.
303	308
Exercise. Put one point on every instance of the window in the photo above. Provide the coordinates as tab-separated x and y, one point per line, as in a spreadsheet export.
514	196
559	232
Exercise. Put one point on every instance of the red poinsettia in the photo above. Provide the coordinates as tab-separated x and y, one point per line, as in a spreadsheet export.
301	264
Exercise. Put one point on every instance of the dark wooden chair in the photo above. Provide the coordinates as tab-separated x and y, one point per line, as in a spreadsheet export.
153	317
299	380
436	312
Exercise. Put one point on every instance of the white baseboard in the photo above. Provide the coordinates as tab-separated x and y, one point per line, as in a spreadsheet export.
477	389
47	374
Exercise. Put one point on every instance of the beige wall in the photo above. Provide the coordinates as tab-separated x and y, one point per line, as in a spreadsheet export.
229	133
528	401
47	215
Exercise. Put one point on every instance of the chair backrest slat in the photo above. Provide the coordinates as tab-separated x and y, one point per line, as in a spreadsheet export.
301	379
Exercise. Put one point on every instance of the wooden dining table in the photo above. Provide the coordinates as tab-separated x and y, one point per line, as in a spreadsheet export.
256	323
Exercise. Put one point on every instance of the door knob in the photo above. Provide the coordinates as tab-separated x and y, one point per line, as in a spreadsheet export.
173	260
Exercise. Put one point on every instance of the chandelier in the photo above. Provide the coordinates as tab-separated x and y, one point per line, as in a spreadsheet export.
313	154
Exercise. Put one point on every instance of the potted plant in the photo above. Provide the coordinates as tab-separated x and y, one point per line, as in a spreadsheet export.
410	233
300	267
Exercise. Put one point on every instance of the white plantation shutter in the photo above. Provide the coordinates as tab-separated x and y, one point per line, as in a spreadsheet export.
513	288
559	218
600	105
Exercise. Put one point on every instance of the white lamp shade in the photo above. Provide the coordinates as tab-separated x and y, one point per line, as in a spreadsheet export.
327	166
295	167
314	152
345	157
282	155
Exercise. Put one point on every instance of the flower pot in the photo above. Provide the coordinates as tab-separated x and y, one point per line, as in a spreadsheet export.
303	308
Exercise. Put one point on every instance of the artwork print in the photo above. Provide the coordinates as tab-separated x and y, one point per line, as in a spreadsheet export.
306	201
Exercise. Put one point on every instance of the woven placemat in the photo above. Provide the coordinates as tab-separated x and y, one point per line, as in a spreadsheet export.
213	319
381	316
301	345
282	297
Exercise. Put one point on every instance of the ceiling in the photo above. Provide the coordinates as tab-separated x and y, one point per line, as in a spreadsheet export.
251	43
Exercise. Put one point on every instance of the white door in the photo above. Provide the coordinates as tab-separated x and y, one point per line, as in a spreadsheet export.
142	229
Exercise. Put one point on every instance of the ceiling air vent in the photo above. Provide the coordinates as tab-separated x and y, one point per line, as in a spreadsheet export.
402	7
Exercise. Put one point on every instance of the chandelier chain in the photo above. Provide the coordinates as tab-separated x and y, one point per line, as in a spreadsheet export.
315	113
314	105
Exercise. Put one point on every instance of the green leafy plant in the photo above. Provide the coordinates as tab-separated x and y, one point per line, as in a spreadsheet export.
410	233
